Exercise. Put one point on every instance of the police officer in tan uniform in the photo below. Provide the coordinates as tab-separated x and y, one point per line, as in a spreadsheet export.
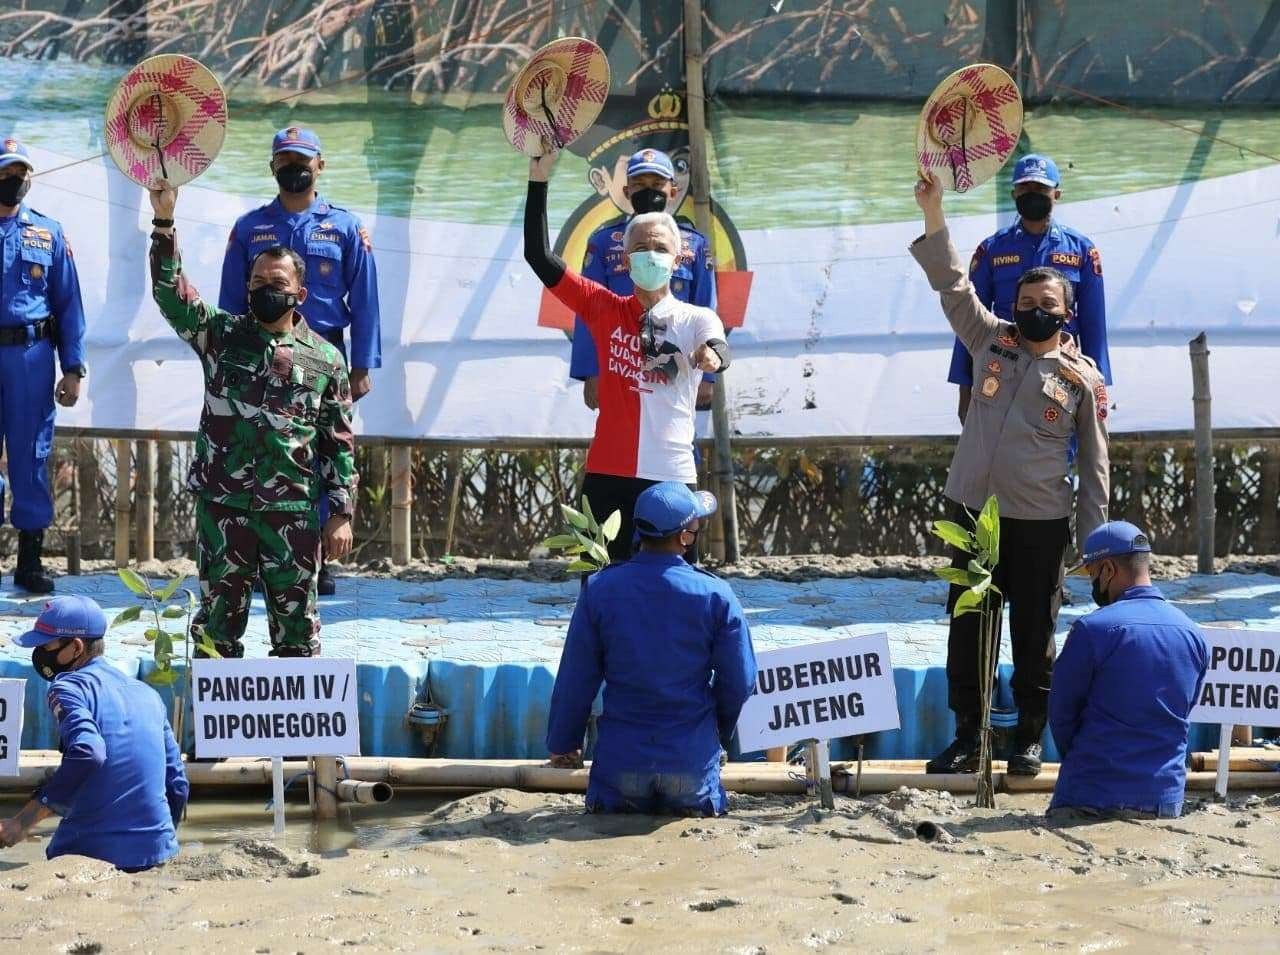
1033	390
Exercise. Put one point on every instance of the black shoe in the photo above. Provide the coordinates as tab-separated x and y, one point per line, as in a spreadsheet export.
960	757
325	584
1026	761
29	573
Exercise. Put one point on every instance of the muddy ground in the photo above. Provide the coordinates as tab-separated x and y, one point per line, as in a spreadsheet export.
796	568
510	871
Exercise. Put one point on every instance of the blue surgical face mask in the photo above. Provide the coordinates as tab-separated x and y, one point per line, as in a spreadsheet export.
651	271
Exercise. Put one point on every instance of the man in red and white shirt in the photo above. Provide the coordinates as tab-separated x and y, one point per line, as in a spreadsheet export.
652	350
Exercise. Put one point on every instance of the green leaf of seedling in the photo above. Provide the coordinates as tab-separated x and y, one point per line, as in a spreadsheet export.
164	645
170	589
598	553
127	615
988	531
208	648
174	612
134	582
581	566
611	525
957	576
560	541
955	535
976	566
152	633
162	677
969	602
982	585
590	516
575	518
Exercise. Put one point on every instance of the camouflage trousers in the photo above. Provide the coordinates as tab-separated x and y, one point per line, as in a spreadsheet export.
233	548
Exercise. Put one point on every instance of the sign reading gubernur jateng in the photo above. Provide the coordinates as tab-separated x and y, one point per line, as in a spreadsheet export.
820	691
279	707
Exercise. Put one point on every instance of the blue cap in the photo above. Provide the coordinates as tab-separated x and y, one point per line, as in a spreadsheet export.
1113	539
1036	168
64	618
664	509
12	151
651	160
295	139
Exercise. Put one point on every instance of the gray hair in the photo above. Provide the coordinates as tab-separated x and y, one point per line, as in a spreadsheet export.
665	219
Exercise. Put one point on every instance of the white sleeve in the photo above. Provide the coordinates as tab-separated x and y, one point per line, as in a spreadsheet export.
705	326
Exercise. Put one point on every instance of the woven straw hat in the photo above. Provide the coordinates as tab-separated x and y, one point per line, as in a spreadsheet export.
556	96
166	120
969	126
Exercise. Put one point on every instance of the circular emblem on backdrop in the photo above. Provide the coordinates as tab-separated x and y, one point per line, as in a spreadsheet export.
969	126
37	271
556	96
166	120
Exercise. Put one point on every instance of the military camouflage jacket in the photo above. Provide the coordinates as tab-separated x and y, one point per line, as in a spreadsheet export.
273	404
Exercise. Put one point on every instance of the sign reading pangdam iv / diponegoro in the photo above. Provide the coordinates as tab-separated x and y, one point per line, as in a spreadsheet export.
11	696
1242	684
279	707
820	691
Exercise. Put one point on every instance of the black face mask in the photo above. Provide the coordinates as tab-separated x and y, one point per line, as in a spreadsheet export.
13	189
270	304
1037	325
648	200
1100	595
46	662
1034	206
295	178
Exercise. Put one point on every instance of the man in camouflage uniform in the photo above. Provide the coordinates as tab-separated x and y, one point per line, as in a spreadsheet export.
277	400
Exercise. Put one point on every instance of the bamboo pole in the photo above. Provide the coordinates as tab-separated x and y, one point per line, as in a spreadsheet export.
1202	402
534	775
700	187
326	788
1242	759
145	546
123	471
72	536
401	502
455	492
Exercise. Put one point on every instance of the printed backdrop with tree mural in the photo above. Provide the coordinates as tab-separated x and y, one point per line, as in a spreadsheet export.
1162	121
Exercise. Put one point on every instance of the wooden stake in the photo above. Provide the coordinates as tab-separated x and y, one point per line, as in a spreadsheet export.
123	472
326	777
401	502
145	549
1202	401
700	189
455	491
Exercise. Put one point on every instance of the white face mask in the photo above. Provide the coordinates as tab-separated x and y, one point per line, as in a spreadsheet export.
651	271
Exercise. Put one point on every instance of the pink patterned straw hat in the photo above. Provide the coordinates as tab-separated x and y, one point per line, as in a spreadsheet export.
969	126
166	120
557	96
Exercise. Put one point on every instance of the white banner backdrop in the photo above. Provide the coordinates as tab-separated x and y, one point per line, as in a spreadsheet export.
843	336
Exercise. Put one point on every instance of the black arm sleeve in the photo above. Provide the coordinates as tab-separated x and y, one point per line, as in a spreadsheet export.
548	266
721	348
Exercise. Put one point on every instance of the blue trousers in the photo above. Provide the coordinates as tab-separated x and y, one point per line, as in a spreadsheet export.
657	794
26	431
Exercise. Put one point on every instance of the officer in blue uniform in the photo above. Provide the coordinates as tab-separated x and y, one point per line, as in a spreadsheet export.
1124	687
1037	239
342	281
651	184
654	630
120	788
40	313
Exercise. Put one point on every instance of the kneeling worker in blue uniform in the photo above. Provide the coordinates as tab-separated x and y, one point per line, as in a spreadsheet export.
672	647
1123	688
120	788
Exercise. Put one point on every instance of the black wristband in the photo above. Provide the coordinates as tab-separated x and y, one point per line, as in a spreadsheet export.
162	223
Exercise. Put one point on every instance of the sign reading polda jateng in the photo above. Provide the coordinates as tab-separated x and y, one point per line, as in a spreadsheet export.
1242	685
12	693
820	691
277	707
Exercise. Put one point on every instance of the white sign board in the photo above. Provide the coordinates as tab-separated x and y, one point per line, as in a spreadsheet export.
303	706
1242	684
820	691
11	697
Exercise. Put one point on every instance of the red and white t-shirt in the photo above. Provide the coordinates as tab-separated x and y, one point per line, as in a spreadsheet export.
644	428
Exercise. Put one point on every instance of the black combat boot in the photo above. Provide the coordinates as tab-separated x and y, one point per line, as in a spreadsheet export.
1025	758
29	573
325	585
962	755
